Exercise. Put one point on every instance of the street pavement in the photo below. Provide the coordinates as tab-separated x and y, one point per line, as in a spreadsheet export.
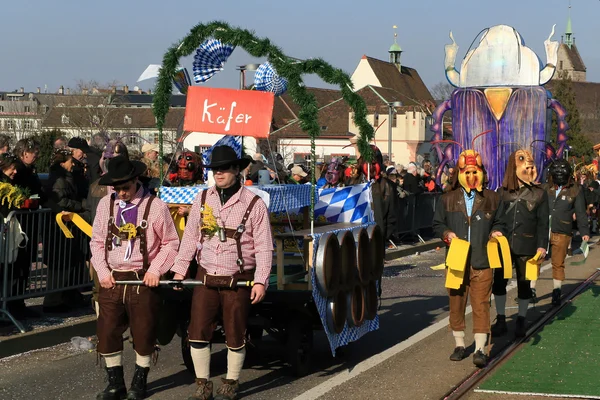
413	298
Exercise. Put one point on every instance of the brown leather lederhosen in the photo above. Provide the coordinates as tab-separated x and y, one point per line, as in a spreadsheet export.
233	301
133	307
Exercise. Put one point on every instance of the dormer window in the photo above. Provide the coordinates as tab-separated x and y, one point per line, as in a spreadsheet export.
95	119
127	120
60	105
64	119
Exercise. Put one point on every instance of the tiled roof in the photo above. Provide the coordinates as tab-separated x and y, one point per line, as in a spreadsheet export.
111	118
574	57
408	83
285	110
333	120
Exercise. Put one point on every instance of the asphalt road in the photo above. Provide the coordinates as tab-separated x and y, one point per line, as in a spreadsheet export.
413	298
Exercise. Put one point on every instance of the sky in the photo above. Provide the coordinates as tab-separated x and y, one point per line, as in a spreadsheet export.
60	42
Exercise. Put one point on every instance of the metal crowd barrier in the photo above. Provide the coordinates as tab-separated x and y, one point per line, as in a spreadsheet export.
415	213
48	265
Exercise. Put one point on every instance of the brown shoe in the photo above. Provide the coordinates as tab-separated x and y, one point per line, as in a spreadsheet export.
228	390
204	391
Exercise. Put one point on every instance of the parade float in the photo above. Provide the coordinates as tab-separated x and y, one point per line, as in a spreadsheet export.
499	88
330	278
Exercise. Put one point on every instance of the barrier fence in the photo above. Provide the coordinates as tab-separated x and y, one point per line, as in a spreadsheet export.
51	265
415	212
46	263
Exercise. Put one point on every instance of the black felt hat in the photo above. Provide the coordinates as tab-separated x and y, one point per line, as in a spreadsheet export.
226	155
79	143
120	170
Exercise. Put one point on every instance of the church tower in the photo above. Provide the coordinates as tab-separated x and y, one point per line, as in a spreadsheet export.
395	51
569	64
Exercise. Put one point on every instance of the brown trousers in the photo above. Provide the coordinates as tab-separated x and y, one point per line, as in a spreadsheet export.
559	243
125	306
477	283
208	302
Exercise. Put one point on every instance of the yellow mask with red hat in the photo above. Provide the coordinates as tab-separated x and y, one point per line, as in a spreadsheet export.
470	171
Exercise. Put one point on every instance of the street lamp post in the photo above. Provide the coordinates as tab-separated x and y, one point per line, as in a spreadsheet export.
391	106
243	69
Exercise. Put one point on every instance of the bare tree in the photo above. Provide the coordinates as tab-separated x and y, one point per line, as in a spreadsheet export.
441	90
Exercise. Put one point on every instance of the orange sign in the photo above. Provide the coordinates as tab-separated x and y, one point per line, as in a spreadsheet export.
228	111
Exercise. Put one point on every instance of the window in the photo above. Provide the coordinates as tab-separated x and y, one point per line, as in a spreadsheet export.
64	119
560	65
376	119
133	140
10	124
156	138
301	158
95	119
60	105
324	128
1	108
46	109
27	109
127	120
27	124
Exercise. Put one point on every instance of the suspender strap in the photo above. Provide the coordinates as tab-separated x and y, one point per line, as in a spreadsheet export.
108	245
237	236
141	233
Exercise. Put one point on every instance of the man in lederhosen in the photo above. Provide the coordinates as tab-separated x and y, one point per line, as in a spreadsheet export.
133	238
566	198
526	220
229	232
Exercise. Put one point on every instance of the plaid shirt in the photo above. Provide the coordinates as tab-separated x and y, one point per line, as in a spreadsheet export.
162	239
219	258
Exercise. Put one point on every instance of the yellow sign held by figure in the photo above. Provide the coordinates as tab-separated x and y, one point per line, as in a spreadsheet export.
456	261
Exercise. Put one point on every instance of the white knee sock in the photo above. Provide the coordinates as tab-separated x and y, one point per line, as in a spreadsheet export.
532	284
201	358
235	363
557	283
500	304
480	341
143	361
114	360
459	338
523	306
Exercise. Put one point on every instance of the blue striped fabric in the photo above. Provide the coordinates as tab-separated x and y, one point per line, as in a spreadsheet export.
210	59
266	79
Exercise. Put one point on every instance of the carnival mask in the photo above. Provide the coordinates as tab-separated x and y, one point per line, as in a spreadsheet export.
188	164
560	170
470	171
525	166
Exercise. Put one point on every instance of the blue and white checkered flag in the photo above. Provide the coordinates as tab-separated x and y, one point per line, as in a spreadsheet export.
266	79
210	59
235	142
346	204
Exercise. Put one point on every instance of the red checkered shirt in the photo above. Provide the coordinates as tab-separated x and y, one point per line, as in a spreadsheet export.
162	239
219	258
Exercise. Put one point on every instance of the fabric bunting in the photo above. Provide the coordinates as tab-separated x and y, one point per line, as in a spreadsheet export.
210	58
266	79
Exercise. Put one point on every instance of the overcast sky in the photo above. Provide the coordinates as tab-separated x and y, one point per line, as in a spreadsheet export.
59	42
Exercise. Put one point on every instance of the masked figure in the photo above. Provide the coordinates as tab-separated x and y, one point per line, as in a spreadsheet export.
471	213
189	170
526	220
566	198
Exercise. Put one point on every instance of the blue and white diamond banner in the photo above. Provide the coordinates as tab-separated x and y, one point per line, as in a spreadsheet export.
345	204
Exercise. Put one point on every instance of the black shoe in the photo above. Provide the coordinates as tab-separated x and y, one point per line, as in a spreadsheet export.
116	389
137	391
500	328
534	298
520	330
556	297
458	354
479	359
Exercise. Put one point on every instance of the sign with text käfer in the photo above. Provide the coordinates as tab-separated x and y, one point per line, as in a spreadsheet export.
228	111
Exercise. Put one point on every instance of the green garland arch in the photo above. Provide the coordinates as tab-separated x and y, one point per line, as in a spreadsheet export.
291	69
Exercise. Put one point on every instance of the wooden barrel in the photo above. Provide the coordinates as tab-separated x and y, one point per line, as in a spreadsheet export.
347	260
336	312
371	300
363	254
356	308
327	265
377	251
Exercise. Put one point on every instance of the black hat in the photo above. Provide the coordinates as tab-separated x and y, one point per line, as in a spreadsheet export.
79	143
121	170
225	155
